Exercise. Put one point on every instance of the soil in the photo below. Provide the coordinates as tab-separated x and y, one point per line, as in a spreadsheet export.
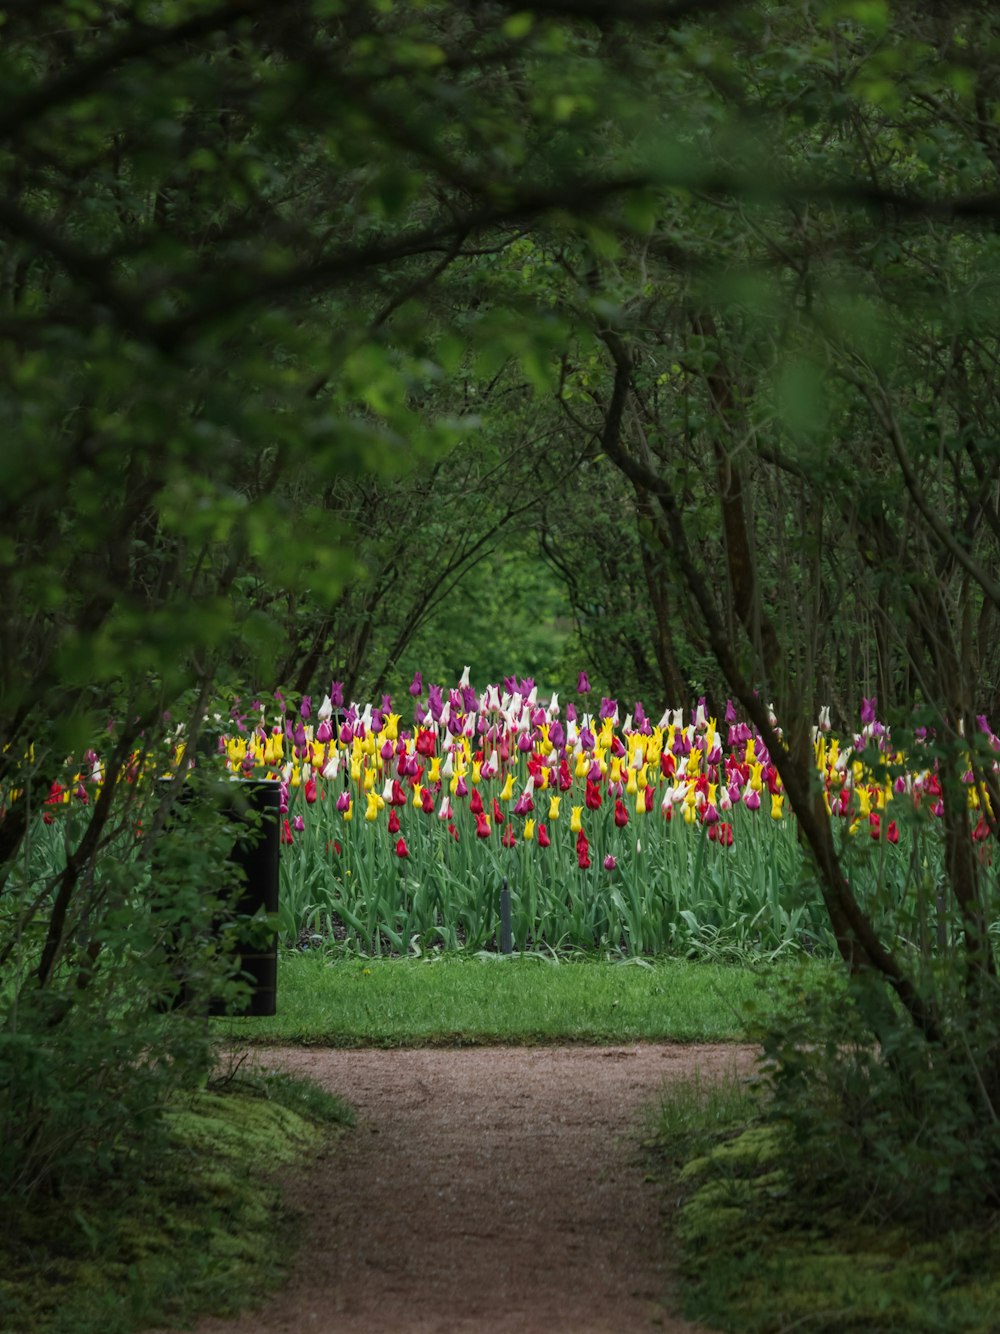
485	1190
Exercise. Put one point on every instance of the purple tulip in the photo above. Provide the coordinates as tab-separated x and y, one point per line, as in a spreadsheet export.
306	707
582	684
416	685
867	710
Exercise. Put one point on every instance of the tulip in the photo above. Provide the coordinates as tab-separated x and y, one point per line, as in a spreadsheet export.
543	837
609	863
401	849
621	814
393	821
575	821
482	826
777	801
286	832
554	807
582	684
416	685
582	851
529	830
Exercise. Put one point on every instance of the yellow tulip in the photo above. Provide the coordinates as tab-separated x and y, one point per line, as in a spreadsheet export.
554	807
777	801
391	728
371	812
434	776
529	830
507	791
477	771
349	813
575	820
417	790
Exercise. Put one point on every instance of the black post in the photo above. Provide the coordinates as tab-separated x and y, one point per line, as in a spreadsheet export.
253	807
506	935
256	805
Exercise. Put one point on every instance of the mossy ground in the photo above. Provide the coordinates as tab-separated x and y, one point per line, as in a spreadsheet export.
200	1229
756	1261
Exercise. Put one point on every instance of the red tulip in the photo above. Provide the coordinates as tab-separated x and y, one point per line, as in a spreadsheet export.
401	849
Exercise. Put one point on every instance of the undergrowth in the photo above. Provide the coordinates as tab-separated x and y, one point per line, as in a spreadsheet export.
203	1229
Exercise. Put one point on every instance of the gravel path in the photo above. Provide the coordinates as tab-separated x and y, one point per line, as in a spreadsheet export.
488	1189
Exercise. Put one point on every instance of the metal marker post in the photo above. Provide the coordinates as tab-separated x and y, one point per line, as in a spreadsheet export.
506	935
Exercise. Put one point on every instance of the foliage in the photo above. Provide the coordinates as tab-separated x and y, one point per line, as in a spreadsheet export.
900	1133
203	1228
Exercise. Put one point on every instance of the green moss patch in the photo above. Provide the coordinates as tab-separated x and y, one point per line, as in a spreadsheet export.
757	1260
202	1229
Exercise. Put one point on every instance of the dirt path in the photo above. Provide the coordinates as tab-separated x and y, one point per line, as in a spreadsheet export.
484	1190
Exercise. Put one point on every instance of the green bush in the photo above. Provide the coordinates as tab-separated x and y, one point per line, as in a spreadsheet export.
93	1049
900	1128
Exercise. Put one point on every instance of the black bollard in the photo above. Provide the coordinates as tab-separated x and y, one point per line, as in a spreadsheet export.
256	805
253	806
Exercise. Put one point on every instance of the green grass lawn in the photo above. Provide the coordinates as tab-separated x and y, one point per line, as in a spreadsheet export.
454	1000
